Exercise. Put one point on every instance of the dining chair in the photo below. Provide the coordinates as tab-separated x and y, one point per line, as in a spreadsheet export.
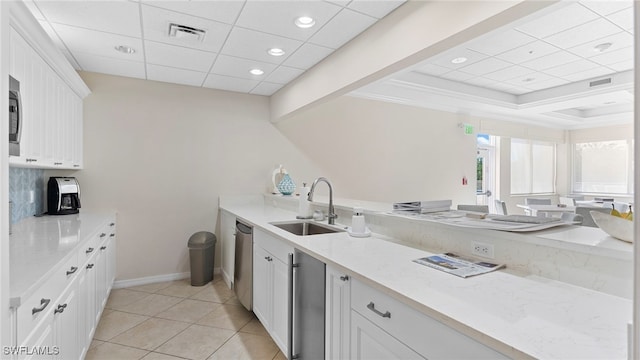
476	208
569	201
501	207
537	201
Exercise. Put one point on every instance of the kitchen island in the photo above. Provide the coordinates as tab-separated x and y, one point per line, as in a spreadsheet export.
517	313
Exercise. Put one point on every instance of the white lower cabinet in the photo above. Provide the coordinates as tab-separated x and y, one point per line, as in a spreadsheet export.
270	285
228	246
368	341
337	314
59	320
380	323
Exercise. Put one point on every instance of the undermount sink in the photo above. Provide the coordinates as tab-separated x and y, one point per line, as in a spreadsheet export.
304	228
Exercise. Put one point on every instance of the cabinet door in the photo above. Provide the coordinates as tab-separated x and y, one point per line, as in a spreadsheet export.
337	311
280	320
66	324
262	285
111	259
40	342
84	339
91	310
228	246
369	342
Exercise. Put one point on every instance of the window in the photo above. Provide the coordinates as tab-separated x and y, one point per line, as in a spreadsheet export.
533	167
603	167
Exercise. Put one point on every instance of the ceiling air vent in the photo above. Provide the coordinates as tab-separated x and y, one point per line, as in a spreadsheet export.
600	82
186	32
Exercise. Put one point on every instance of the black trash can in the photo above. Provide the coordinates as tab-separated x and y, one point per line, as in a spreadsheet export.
201	253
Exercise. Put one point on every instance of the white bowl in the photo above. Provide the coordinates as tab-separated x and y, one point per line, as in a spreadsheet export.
617	227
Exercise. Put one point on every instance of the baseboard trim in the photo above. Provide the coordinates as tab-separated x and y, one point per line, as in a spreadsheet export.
121	284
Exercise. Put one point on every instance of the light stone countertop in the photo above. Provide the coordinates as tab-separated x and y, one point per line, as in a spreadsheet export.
521	316
41	245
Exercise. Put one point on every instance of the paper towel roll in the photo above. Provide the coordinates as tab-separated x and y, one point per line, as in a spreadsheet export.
304	206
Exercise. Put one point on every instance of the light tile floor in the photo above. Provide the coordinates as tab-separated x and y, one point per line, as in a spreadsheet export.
174	320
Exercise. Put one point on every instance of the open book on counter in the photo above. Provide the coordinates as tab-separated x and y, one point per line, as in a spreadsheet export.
456	265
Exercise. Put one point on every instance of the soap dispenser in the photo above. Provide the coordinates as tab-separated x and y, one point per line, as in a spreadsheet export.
358	225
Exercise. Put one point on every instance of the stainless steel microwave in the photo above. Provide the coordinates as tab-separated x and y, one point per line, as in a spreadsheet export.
15	117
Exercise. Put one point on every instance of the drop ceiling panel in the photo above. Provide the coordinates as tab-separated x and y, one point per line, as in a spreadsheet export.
545	84
283	75
223	11
552	60
239	68
557	21
117	17
622	66
178	57
606	7
306	56
584	33
277	17
156	27
527	52
98	43
175	76
343	27
588	74
229	83
250	44
445	58
377	9
432	69
623	19
613	57
485	66
508	73
527	80
571	68
457	76
618	41
500	42
266	88
105	65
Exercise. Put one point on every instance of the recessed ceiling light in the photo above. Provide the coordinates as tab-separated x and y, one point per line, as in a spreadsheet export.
459	60
528	79
275	52
256	71
125	49
305	22
602	47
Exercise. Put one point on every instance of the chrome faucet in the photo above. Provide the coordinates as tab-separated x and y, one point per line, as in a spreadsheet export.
332	214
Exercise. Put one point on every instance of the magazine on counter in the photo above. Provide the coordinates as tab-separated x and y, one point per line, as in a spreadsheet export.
456	265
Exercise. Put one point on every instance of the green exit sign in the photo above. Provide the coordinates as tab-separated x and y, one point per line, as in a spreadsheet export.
468	129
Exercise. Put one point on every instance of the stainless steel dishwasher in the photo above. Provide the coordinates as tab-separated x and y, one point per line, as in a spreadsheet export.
243	270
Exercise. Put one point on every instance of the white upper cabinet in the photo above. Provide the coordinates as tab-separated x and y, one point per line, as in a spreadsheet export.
51	93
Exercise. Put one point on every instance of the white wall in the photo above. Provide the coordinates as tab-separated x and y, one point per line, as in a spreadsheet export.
386	152
161	154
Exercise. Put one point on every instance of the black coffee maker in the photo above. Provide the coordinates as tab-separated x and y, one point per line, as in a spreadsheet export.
63	196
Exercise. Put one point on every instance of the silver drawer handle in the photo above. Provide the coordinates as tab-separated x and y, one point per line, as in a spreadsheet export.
372	307
112	235
60	308
344	277
89	266
268	258
112	224
72	270
103	247
103	235
43	305
89	250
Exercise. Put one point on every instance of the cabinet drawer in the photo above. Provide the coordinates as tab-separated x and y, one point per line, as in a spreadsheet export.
275	246
29	314
427	336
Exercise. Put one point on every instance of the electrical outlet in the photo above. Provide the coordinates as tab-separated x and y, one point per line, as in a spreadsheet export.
481	249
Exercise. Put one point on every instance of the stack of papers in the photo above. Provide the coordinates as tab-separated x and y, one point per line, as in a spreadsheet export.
456	265
422	207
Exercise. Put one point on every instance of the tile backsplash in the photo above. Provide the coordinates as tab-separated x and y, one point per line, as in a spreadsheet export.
26	191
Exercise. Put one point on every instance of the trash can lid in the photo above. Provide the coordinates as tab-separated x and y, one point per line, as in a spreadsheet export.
202	239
